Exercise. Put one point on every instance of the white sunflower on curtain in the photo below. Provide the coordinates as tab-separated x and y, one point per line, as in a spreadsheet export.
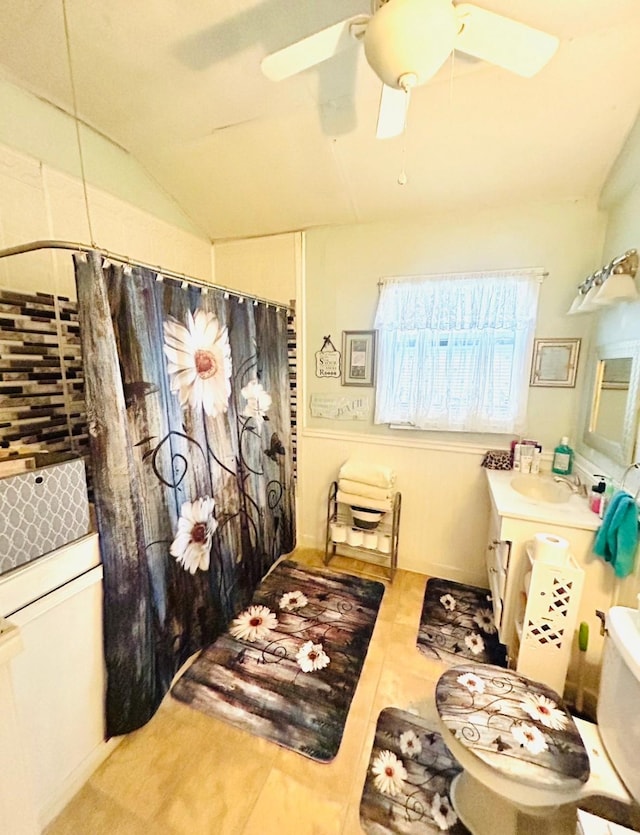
199	364
196	526
258	403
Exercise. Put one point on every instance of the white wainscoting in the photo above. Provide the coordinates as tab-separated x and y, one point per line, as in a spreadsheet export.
445	500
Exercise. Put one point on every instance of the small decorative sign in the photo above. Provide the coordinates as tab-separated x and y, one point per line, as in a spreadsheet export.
327	359
340	407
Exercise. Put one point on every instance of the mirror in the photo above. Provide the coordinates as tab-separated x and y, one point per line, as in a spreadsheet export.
612	418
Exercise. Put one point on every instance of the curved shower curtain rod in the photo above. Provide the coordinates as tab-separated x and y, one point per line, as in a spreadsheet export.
71	246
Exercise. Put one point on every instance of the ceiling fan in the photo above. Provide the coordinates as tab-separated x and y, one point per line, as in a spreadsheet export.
407	41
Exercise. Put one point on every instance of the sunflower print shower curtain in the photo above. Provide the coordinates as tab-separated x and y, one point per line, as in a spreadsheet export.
189	419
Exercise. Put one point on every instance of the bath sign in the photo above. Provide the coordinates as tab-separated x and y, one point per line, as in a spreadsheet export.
328	359
340	406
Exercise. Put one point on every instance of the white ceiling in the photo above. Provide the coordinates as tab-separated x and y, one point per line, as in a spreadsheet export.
178	84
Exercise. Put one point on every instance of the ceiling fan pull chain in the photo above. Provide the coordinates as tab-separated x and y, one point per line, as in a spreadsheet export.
407	82
453	67
402	176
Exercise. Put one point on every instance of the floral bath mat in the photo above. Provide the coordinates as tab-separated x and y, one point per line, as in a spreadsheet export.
288	666
408	779
457	624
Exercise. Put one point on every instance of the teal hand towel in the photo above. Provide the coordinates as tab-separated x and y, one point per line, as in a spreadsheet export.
617	537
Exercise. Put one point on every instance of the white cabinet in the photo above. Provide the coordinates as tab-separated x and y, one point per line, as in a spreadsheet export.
58	679
545	620
514	523
17	808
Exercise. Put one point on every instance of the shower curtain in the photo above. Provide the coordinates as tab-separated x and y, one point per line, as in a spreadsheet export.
189	419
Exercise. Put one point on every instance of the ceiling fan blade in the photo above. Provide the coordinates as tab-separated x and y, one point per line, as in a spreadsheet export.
392	113
503	41
313	50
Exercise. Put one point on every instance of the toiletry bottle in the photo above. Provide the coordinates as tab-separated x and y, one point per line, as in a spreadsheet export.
596	496
606	497
516	457
535	462
562	457
526	458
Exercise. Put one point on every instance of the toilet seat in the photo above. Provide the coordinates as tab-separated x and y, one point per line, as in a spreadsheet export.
512	734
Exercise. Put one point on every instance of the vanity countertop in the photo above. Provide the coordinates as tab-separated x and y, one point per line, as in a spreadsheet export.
573	513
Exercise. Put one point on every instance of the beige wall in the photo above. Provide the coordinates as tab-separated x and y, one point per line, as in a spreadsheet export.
46	133
343	265
39	202
266	267
445	505
621	200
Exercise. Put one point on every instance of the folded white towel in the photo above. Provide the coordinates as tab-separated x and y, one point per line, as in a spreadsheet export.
373	474
362	501
362	489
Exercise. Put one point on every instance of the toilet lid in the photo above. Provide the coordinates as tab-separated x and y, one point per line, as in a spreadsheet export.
519	727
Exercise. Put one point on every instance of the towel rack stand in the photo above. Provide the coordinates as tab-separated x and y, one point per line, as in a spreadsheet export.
634	466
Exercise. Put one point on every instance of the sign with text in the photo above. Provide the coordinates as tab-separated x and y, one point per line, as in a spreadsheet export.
327	363
328	359
340	406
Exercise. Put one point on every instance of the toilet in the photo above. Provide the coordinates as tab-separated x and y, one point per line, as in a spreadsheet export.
527	763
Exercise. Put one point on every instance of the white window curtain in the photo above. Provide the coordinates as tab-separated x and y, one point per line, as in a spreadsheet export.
454	350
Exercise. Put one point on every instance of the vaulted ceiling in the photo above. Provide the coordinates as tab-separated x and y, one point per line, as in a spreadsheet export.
179	86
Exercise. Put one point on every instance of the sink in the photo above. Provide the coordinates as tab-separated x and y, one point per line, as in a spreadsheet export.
541	488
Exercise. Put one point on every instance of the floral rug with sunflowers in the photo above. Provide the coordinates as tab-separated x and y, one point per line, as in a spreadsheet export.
457	624
408	779
287	667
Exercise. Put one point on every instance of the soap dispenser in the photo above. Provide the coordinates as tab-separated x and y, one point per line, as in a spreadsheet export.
562	458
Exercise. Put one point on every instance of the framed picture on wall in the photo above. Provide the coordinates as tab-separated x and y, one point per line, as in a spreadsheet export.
358	358
555	362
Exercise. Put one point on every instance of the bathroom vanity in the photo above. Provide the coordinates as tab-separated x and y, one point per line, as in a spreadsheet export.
54	679
516	517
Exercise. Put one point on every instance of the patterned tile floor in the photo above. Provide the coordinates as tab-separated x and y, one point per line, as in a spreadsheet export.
185	772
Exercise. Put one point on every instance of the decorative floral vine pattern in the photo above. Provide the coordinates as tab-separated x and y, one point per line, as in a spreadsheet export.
409	778
200	373
498	711
194	499
457	622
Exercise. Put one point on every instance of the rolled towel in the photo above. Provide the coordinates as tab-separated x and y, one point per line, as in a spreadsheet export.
373	474
359	487
355	500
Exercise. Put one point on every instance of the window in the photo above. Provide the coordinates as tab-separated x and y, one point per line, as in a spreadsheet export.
454	350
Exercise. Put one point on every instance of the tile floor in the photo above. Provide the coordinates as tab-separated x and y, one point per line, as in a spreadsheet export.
189	774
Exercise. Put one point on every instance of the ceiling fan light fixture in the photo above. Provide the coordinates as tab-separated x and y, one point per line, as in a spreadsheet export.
410	36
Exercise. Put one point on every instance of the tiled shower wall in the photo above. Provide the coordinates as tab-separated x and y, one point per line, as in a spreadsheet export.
41	385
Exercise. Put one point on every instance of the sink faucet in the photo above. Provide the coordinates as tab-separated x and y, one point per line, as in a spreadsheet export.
573	483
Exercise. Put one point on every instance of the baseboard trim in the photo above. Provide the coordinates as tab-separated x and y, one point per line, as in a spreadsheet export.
445	572
76	780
